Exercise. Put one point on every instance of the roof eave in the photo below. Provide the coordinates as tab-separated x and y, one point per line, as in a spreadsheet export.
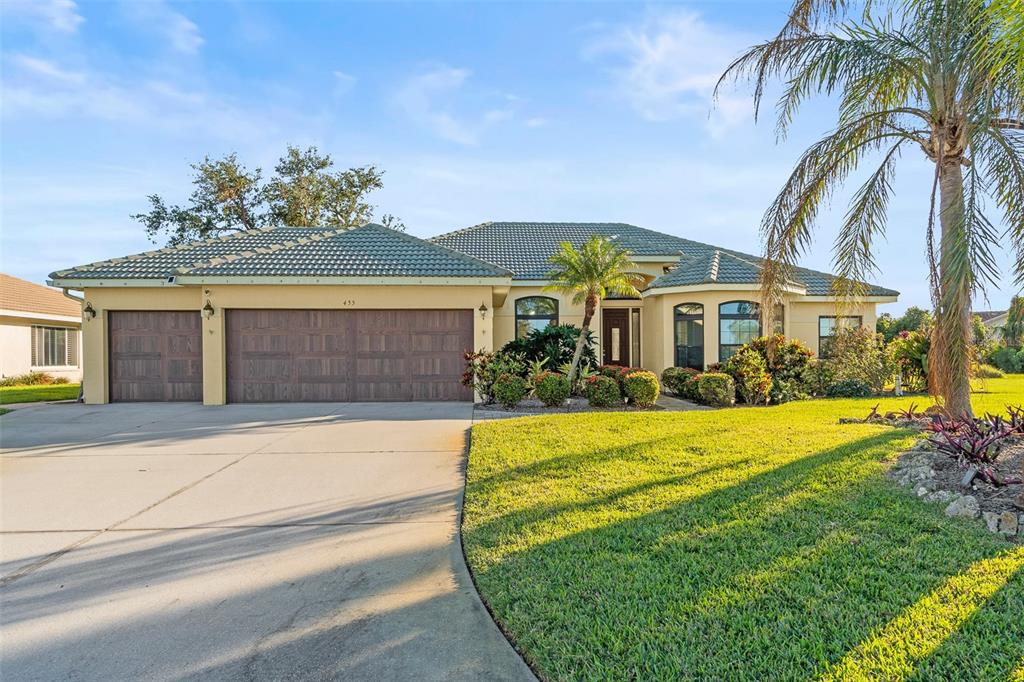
714	286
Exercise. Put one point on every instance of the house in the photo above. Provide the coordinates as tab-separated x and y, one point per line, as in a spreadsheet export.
39	330
305	314
994	320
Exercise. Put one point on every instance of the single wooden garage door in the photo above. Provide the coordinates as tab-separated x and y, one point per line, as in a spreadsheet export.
347	355
156	355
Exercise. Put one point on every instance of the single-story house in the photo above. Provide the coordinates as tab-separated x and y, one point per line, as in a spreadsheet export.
304	314
994	321
40	330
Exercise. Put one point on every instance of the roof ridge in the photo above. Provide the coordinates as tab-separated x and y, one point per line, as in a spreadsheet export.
460	230
319	235
716	262
458	254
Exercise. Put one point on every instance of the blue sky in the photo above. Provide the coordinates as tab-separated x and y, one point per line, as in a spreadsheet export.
476	112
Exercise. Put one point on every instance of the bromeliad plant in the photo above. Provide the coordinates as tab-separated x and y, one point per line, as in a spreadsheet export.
974	443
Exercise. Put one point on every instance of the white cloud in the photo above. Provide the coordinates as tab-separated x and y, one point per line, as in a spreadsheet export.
56	15
666	65
180	32
428	98
343	82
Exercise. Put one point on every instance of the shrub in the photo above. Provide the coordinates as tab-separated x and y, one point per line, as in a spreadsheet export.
790	359
908	353
1008	359
603	391
642	387
483	368
510	389
849	388
783	391
858	354
748	369
681	381
554	344
551	388
818	377
983	371
716	388
31	379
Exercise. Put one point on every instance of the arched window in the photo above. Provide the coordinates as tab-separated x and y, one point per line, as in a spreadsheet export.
689	335
739	322
535	312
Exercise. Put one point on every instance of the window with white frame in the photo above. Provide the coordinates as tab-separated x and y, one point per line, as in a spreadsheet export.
827	326
54	347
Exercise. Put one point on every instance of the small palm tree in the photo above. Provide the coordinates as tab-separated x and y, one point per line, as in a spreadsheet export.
589	274
936	76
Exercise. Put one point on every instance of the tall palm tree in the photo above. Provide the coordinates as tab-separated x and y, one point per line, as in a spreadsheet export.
937	76
589	274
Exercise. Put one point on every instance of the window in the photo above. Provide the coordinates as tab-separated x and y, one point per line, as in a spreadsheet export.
54	347
739	323
689	335
535	312
780	319
827	326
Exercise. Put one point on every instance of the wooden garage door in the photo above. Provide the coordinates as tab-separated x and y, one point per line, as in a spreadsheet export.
156	355
347	355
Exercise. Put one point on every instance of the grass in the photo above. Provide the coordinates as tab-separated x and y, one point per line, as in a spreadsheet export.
34	394
756	543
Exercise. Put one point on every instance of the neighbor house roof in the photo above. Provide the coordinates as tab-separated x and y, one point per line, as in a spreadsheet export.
524	248
368	251
22	296
988	315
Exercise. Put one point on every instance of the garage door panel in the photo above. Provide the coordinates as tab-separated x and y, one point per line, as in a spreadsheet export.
155	355
344	355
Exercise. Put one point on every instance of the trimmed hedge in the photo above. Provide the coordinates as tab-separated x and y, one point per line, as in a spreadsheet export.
603	391
510	389
551	388
850	388
716	388
682	381
642	387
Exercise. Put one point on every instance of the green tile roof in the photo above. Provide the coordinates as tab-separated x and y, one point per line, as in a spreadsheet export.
367	251
524	249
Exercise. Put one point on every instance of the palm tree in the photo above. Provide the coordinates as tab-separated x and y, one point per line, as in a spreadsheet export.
589	274
936	76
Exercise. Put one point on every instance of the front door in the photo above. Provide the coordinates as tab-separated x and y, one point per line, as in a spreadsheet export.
615	336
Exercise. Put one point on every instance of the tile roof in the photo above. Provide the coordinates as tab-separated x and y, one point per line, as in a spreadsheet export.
28	297
524	248
987	315
367	251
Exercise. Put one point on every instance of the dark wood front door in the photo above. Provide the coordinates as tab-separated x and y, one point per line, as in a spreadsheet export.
347	355
615	342
155	355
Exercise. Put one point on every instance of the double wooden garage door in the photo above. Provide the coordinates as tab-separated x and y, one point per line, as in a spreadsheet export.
296	355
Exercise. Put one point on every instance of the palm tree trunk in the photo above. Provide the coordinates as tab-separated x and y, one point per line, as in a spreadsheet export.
588	314
953	320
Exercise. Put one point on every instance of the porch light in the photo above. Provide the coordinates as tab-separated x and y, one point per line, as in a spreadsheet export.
483	311
88	312
207	310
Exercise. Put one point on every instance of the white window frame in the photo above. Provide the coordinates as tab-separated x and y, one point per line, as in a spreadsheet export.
43	335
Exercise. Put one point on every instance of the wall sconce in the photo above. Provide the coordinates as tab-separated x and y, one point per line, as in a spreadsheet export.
88	312
207	311
483	311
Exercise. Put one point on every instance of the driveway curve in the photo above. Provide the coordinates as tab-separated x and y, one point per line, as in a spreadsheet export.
255	542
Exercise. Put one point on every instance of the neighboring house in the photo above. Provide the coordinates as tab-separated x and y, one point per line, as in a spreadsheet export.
40	330
994	320
301	314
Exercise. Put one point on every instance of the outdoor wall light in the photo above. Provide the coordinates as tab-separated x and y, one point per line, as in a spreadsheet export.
483	311
88	312
207	310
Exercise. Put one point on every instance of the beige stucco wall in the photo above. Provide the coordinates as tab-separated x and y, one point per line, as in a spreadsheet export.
16	347
224	297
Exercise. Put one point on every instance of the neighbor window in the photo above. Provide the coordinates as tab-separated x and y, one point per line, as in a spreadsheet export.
54	347
739	323
689	335
535	312
827	326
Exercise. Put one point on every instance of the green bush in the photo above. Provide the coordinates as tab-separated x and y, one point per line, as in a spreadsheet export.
681	381
603	391
908	354
849	388
483	368
984	371
716	388
790	359
554	344
749	371
510	389
857	354
551	388
783	391
32	379
1010	360
642	387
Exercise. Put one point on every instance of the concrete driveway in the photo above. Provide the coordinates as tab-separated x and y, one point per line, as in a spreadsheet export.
168	542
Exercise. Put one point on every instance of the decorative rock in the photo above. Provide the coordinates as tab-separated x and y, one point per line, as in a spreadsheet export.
991	521
1008	523
1018	501
942	496
969	476
965	506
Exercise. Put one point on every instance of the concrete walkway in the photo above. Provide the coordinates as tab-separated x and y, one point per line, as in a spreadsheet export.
169	542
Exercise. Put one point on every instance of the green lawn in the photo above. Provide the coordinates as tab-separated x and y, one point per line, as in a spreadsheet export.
755	543
34	394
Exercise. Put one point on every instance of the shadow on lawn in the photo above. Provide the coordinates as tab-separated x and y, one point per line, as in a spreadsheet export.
776	574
